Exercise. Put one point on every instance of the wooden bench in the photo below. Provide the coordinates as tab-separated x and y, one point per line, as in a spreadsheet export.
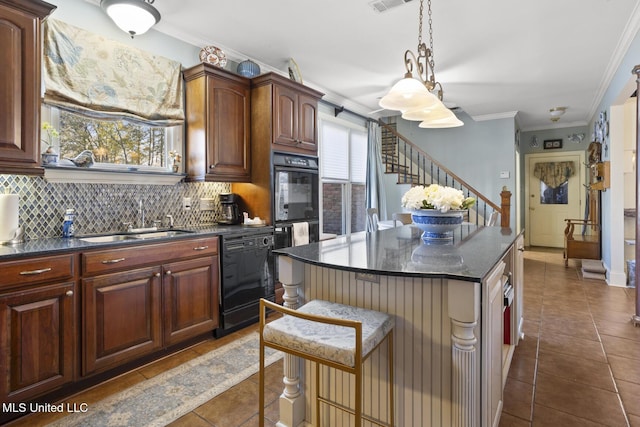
585	244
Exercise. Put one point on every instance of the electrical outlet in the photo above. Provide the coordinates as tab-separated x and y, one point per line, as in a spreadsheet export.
207	204
504	174
186	203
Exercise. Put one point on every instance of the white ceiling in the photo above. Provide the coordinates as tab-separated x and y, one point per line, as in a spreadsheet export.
494	58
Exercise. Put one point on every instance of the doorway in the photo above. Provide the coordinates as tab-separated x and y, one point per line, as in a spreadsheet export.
551	196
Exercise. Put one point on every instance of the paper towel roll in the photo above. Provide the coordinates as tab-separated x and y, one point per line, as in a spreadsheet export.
8	216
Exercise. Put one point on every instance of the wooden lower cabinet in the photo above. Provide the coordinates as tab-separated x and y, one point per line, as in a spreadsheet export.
60	326
134	303
37	330
121	318
190	298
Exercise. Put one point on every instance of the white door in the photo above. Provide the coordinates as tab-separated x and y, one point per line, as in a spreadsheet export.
547	206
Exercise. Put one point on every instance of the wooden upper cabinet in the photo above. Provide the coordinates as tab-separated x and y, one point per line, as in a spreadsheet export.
289	109
285	117
218	125
20	34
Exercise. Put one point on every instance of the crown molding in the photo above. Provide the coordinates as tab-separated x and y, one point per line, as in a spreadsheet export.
495	116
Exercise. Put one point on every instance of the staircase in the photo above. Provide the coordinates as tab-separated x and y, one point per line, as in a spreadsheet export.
415	167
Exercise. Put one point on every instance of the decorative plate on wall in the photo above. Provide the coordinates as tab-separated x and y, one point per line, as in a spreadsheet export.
213	55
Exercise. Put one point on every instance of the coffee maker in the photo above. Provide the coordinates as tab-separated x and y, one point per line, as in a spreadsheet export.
230	209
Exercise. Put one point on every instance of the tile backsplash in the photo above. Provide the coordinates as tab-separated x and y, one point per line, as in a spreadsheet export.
102	208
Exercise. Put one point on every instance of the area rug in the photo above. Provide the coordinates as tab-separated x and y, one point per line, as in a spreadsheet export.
166	397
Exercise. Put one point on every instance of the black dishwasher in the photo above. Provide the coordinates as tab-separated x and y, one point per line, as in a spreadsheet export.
246	276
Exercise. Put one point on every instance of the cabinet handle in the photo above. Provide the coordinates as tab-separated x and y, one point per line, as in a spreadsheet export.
113	261
34	272
200	248
157	275
69	293
168	272
521	249
212	166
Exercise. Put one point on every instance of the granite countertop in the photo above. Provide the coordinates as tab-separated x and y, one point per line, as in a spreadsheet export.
51	246
471	256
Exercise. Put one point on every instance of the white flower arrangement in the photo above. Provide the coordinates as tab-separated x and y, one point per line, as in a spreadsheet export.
436	197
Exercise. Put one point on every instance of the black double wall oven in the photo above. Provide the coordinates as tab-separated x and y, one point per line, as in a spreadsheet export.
295	196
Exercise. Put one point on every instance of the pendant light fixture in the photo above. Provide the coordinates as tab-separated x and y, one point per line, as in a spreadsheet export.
134	17
413	95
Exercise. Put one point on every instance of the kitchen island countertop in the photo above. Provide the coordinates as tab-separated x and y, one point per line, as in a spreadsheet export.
400	251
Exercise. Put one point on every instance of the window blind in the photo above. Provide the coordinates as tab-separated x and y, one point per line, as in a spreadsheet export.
335	151
89	74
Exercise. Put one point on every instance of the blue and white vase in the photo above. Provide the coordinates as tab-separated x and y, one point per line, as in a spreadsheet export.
437	225
248	68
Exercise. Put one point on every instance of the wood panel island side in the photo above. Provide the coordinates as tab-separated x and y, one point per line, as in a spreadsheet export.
455	330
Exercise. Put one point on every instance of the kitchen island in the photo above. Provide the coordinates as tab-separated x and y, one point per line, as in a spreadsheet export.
454	335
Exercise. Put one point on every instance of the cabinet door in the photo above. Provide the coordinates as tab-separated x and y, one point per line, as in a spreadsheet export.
285	116
228	149
121	318
518	284
308	123
190	298
19	91
36	345
492	345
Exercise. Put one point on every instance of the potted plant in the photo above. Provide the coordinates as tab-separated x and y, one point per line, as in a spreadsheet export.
49	157
437	210
176	160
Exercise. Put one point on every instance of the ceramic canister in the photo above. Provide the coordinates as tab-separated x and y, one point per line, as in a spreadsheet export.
248	68
8	216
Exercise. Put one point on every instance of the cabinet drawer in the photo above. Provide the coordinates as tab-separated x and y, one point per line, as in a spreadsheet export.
123	258
36	270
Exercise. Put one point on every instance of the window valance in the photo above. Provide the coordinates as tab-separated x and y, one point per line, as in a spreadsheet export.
92	75
554	174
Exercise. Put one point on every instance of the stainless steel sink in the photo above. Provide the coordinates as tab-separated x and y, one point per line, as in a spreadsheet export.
157	234
137	236
106	239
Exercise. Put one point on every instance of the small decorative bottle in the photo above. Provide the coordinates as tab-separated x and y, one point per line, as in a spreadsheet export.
68	229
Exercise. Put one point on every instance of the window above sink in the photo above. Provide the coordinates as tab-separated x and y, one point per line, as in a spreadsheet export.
127	152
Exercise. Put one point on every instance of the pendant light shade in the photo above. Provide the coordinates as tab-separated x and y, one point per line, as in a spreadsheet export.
408	94
450	122
134	17
437	112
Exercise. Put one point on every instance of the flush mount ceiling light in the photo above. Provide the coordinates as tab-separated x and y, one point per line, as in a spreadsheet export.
134	17
556	113
413	95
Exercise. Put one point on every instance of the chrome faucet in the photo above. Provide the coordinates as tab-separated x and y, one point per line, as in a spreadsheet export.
140	213
170	220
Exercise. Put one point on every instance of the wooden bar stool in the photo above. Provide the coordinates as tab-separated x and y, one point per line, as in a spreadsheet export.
331	334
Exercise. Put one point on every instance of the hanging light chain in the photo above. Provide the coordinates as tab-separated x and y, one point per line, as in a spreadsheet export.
423	63
420	24
431	60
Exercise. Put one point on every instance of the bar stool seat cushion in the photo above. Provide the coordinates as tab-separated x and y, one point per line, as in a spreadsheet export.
331	342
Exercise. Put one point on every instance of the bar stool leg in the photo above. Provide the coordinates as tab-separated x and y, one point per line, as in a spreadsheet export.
261	385
261	370
317	393
391	379
358	393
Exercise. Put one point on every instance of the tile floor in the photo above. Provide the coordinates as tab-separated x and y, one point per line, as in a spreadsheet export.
579	364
